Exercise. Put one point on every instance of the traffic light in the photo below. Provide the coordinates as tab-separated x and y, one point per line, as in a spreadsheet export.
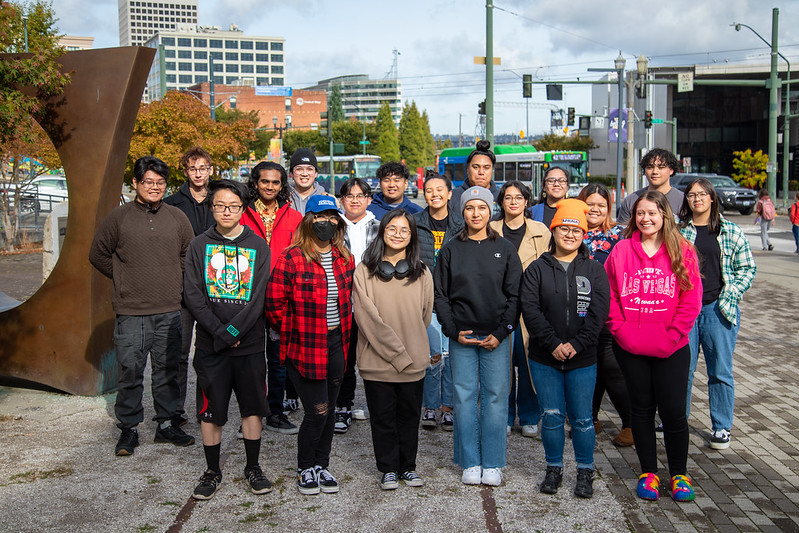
648	119
527	86
324	125
570	120
481	108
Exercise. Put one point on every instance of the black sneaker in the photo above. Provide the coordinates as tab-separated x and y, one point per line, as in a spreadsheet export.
585	483
343	420
174	435
327	483
179	421
412	479
128	440
258	482
209	483
552	481
281	424
306	481
447	421
389	481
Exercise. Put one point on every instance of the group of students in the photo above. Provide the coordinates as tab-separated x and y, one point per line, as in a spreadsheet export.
475	304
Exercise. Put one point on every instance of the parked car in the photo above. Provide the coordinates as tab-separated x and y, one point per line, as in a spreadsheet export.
731	195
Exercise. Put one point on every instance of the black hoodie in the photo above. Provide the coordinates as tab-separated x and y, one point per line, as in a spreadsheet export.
560	306
224	286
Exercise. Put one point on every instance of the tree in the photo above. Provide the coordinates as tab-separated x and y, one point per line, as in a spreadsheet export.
295	138
430	144
168	127
412	138
441	145
350	132
25	149
260	145
335	105
553	141
387	141
750	168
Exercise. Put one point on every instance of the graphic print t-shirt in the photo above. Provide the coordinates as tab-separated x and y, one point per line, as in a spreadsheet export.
438	228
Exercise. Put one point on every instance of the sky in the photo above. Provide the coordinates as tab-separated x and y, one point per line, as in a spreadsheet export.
437	41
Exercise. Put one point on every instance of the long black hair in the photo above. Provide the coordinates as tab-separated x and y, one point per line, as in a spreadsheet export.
374	253
686	215
524	189
255	174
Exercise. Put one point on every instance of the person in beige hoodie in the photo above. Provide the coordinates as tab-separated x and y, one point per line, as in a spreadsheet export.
393	305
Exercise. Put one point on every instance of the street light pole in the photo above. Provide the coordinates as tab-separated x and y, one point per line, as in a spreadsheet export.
25	21
619	64
490	72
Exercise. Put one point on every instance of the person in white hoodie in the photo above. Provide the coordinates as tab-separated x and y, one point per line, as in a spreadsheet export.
362	226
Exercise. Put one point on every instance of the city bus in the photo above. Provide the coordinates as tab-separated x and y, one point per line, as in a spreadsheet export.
346	167
516	162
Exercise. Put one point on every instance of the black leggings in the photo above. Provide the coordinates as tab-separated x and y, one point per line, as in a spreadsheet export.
346	396
610	378
318	398
658	384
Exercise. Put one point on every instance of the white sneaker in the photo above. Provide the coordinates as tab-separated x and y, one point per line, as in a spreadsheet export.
720	439
360	414
509	429
471	475
492	476
530	430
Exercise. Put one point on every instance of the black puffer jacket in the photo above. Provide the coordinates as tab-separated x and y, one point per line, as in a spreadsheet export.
424	228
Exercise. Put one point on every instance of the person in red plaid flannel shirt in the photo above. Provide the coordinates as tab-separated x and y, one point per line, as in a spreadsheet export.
309	296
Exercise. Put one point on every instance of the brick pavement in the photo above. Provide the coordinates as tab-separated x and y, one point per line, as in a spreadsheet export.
753	485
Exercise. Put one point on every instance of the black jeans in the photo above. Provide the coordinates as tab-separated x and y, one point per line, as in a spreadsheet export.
318	398
658	384
394	416
275	376
610	378
187	323
346	396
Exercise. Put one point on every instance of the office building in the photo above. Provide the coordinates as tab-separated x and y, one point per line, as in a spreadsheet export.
362	97
71	43
138	21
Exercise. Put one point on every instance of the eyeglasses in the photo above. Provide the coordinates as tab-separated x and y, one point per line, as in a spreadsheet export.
391	231
150	184
701	195
553	181
198	170
325	218
653	167
516	199
570	230
359	197
220	208
389	179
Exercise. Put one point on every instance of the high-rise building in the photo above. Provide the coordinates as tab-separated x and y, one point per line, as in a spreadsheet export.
237	59
138	21
71	43
362	97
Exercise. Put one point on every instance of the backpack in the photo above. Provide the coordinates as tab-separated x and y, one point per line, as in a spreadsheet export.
767	210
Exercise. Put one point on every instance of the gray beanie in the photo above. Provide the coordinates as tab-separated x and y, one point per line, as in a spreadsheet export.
477	193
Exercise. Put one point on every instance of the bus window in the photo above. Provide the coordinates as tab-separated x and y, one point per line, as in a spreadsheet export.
525	172
448	171
458	172
324	167
499	172
510	171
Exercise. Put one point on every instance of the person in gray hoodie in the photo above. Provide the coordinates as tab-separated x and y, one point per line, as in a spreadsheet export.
303	170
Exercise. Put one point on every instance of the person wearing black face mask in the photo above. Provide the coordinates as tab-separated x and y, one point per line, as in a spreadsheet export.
309	298
393	301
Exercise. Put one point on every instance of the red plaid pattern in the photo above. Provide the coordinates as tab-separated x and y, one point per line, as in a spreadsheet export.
296	298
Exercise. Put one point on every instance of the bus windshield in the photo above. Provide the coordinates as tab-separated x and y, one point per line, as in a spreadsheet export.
366	169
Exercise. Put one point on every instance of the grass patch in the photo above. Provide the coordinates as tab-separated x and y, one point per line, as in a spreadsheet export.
313	508
146	528
171	504
255	517
246	504
153	480
33	475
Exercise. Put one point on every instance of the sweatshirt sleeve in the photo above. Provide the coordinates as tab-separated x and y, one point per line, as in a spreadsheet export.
382	337
103	246
186	235
441	300
510	288
195	296
689	303
427	310
597	310
534	319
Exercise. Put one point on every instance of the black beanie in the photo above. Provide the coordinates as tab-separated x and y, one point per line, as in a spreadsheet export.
302	156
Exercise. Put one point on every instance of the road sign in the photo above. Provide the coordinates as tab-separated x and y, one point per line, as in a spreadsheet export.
363	142
657	121
685	82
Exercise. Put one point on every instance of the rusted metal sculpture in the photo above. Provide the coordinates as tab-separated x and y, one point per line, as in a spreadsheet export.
63	335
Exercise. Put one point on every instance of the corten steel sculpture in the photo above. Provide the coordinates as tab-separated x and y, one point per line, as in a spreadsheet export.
63	335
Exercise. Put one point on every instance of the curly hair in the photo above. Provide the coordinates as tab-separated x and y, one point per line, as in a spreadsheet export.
255	174
661	154
392	168
195	152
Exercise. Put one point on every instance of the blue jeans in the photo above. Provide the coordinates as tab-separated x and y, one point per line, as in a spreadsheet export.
795	230
717	336
561	393
522	399
438	377
481	382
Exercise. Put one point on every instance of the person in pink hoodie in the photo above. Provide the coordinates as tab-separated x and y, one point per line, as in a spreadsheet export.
655	297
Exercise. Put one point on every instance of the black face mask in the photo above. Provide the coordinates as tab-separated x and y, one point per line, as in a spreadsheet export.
324	230
401	270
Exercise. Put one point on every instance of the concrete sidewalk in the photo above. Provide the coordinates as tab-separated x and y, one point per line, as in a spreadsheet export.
58	471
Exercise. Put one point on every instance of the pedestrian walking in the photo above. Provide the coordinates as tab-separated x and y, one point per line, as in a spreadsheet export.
656	296
728	269
393	304
309	296
565	299
603	234
766	213
531	239
477	296
794	214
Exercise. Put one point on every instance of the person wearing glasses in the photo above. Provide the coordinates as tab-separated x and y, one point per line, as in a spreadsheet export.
190	198
728	268
565	299
303	170
309	295
141	247
659	166
271	217
227	268
393	178
531	239
556	185
356	195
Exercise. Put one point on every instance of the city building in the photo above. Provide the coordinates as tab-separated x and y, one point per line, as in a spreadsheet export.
713	121
71	43
362	97
138	21
237	59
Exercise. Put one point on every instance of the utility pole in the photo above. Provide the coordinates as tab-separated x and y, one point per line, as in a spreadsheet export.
773	107
631	159
212	94
490	72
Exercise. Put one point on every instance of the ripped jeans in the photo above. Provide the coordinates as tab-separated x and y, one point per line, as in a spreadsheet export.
318	398
561	393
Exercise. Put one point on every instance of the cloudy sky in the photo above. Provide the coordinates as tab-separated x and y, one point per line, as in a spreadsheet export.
438	39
